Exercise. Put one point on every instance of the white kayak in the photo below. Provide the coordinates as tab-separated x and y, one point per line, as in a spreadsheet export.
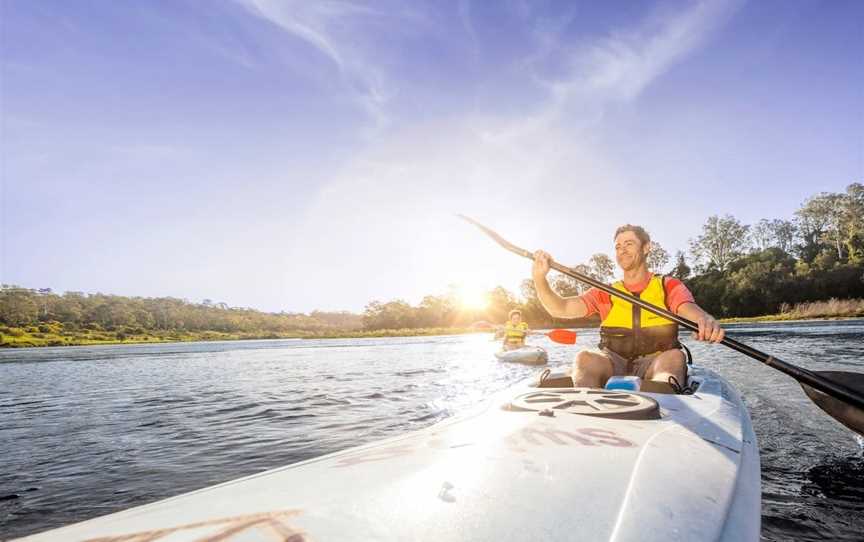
553	464
532	355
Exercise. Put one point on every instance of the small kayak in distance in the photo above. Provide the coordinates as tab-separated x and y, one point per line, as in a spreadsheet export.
535	462
532	355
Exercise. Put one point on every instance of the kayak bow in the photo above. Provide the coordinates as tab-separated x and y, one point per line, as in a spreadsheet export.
554	464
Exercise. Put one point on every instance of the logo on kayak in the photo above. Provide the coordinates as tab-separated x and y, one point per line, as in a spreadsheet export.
584	436
268	526
382	454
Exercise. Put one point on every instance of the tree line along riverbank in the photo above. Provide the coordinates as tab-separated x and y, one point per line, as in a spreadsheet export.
54	334
810	265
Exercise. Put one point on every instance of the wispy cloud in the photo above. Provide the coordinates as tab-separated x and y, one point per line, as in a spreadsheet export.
591	76
621	66
468	26
344	32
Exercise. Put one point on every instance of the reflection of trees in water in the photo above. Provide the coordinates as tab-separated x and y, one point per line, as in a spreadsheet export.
823	502
841	480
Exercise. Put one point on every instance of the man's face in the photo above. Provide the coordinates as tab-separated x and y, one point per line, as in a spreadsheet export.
629	251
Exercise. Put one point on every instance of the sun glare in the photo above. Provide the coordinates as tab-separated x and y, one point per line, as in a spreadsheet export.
473	299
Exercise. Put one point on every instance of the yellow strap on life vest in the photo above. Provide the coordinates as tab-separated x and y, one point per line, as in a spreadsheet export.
621	314
515	334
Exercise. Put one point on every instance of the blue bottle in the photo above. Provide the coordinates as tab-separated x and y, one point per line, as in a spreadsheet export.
625	383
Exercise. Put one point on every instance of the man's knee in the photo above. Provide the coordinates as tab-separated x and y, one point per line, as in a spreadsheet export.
671	361
591	363
672	358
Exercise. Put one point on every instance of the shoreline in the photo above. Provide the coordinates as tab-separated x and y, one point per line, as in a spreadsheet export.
777	319
28	340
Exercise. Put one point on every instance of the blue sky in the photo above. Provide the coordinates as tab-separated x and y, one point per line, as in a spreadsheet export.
290	156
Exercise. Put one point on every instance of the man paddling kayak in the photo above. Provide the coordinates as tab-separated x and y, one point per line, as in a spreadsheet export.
632	340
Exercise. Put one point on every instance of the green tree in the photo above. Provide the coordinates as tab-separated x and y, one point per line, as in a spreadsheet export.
391	315
773	233
813	220
722	241
784	234
436	311
531	306
681	269
759	283
762	235
18	306
658	258
602	267
566	286
833	235
501	301
340	319
852	222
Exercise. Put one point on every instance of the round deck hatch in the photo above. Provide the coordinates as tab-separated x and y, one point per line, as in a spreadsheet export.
589	402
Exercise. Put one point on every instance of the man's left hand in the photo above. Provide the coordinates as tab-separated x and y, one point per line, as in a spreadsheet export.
709	329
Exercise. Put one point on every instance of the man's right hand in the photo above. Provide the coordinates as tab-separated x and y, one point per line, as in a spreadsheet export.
555	305
541	268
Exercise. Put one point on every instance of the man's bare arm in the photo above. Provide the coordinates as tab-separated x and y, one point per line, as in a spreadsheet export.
709	327
555	305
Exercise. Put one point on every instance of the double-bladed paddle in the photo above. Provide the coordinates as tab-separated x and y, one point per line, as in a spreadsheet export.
839	393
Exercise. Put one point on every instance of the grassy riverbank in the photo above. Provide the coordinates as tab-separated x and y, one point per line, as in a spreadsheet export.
51	335
817	310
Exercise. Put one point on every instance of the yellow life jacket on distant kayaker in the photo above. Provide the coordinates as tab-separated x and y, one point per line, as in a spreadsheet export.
515	334
631	331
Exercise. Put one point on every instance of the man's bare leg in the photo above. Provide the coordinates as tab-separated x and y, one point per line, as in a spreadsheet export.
666	364
591	370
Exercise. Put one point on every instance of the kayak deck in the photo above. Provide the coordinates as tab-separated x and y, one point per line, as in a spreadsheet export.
493	474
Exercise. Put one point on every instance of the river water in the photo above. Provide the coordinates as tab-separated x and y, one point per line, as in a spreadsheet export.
85	431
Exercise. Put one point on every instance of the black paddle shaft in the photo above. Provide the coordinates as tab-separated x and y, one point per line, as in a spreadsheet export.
803	376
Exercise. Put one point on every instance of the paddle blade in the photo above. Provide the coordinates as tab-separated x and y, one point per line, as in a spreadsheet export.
849	415
563	336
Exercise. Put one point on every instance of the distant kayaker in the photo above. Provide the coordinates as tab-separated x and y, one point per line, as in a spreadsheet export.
632	342
515	331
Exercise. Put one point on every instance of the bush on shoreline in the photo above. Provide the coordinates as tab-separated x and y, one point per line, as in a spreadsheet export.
833	308
815	310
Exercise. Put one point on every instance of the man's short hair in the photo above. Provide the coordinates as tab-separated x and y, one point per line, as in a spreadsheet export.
514	311
639	231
